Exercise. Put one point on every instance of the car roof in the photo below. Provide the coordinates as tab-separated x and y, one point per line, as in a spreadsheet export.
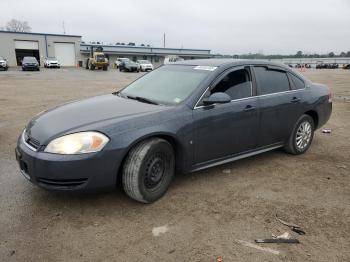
225	62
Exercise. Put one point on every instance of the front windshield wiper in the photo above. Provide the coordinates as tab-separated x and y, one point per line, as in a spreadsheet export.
143	99
137	98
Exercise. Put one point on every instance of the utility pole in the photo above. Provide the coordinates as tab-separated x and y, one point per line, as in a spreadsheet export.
64	28
164	40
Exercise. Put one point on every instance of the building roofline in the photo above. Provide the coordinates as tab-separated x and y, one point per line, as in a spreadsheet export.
149	47
29	33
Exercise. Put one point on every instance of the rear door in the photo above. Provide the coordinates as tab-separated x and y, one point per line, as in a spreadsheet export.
223	130
279	104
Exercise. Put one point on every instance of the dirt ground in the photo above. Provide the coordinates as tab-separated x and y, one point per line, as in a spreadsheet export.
216	212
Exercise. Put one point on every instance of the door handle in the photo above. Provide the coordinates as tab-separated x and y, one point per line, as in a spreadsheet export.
295	100
249	108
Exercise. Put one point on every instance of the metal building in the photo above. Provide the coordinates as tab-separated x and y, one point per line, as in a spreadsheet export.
15	45
71	51
155	55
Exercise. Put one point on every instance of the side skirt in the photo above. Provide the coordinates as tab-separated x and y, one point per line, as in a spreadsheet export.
217	162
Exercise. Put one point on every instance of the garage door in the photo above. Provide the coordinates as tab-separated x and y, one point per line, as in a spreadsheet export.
29	45
65	53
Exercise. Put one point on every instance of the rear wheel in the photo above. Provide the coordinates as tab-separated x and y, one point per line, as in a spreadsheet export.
301	137
148	170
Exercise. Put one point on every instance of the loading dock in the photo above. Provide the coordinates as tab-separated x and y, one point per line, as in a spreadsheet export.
65	53
26	48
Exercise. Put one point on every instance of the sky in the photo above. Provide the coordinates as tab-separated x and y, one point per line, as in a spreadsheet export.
223	26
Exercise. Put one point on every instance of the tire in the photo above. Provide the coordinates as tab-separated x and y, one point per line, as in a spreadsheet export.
301	138
148	170
120	69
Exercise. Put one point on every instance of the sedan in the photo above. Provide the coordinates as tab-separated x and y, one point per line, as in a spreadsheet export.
129	66
181	117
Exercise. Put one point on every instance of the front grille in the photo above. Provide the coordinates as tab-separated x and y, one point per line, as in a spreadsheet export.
64	183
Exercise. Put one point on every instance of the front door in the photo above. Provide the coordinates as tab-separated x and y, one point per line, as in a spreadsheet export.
223	130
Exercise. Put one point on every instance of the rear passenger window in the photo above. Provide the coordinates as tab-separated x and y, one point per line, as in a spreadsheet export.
298	83
271	81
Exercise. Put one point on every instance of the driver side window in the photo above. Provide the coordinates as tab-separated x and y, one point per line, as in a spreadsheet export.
237	84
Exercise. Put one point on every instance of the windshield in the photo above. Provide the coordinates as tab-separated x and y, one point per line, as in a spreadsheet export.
51	58
1	58
29	59
168	85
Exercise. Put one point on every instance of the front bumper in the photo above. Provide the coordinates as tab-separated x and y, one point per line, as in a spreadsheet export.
83	172
53	65
3	66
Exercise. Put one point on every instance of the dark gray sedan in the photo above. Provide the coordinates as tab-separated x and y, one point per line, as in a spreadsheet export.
181	117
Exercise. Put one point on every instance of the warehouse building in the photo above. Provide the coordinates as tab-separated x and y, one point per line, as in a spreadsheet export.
16	45
71	51
155	55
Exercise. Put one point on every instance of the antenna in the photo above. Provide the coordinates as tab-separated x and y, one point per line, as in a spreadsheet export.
164	40
64	28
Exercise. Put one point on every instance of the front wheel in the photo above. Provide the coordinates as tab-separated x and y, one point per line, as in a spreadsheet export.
148	170
301	137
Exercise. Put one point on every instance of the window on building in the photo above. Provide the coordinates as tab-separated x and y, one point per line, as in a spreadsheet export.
271	81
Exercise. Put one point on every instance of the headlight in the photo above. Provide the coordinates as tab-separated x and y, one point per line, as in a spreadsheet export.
77	143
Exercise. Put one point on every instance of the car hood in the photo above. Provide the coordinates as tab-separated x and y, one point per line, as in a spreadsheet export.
79	115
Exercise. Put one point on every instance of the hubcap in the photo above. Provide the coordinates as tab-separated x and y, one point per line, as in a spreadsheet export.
155	171
303	136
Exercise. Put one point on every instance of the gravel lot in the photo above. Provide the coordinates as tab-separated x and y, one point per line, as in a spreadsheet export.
204	215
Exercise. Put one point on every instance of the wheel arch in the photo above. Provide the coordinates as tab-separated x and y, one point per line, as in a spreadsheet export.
170	138
314	115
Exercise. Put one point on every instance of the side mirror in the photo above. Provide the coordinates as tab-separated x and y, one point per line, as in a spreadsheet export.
217	98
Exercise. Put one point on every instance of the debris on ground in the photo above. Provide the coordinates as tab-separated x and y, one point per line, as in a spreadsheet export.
326	131
266	249
12	252
219	259
156	231
341	166
226	171
295	228
285	235
278	240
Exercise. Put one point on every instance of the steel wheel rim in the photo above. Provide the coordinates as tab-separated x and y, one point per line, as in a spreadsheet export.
155	171
303	135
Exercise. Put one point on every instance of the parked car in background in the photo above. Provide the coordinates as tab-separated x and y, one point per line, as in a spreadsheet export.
182	117
3	63
119	61
172	59
145	65
51	62
129	66
30	63
347	66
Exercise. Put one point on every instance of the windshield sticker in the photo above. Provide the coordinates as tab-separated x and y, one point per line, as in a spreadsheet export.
208	68
177	100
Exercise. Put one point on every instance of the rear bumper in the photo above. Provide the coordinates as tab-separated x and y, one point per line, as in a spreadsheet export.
84	172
